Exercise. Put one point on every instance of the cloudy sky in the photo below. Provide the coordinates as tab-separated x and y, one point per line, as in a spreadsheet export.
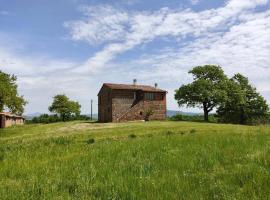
73	46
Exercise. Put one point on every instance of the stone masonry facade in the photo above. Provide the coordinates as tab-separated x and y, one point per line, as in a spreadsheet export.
120	103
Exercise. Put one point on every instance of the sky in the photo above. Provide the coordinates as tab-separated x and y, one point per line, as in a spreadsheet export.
72	47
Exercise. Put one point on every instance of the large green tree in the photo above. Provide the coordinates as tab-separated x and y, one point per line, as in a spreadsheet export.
9	97
206	91
63	106
243	104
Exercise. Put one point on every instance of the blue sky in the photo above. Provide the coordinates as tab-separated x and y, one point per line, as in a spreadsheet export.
73	46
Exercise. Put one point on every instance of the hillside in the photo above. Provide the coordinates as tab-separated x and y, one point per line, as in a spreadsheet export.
136	160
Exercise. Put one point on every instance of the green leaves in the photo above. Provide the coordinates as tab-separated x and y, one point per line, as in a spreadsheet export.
9	97
235	99
244	103
65	107
206	91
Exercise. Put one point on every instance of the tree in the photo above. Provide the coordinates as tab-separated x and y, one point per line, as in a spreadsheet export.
9	97
243	104
206	91
65	107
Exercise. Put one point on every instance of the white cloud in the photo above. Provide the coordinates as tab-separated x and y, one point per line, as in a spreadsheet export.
124	31
194	2
5	12
103	23
234	36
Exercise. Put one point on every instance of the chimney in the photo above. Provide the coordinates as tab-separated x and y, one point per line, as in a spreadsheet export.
135	81
156	85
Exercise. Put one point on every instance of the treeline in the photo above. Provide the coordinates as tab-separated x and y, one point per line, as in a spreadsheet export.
46	118
64	109
213	118
234	99
193	118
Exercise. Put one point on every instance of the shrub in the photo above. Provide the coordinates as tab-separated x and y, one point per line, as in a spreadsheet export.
90	141
177	117
148	114
2	154
193	131
259	120
169	132
132	136
193	118
46	119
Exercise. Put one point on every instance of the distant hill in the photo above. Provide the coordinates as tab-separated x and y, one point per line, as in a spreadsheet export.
95	115
36	114
32	115
171	113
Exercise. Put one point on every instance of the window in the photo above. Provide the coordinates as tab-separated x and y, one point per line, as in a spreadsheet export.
149	96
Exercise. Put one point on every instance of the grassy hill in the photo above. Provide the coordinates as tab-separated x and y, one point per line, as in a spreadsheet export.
155	160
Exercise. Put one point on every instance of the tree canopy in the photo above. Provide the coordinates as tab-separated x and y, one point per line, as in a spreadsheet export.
63	106
9	97
235	99
243	104
206	91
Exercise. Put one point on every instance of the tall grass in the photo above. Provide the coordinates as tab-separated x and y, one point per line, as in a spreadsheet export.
213	162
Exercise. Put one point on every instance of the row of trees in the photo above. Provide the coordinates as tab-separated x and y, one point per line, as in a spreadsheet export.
11	100
235	99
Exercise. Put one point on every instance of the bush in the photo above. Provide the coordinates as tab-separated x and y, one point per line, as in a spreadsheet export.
259	120
2	154
193	118
148	114
182	133
169	133
46	119
193	131
90	141
132	136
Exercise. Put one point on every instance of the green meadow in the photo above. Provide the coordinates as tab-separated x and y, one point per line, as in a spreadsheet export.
136	160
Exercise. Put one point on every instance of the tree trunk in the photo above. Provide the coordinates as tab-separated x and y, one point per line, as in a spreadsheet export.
63	117
205	110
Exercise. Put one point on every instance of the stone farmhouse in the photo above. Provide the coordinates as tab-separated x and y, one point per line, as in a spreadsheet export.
130	102
8	119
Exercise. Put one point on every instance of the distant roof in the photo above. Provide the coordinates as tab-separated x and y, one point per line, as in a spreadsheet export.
145	88
10	114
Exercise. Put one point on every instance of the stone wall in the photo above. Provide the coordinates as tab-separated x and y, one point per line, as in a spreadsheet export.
7	121
129	105
105	105
126	107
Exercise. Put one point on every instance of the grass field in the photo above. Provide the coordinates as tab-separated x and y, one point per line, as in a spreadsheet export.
153	160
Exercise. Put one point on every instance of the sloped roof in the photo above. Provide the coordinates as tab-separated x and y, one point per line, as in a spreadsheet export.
145	88
10	115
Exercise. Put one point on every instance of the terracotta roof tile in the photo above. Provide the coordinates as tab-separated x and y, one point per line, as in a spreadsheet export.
145	88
